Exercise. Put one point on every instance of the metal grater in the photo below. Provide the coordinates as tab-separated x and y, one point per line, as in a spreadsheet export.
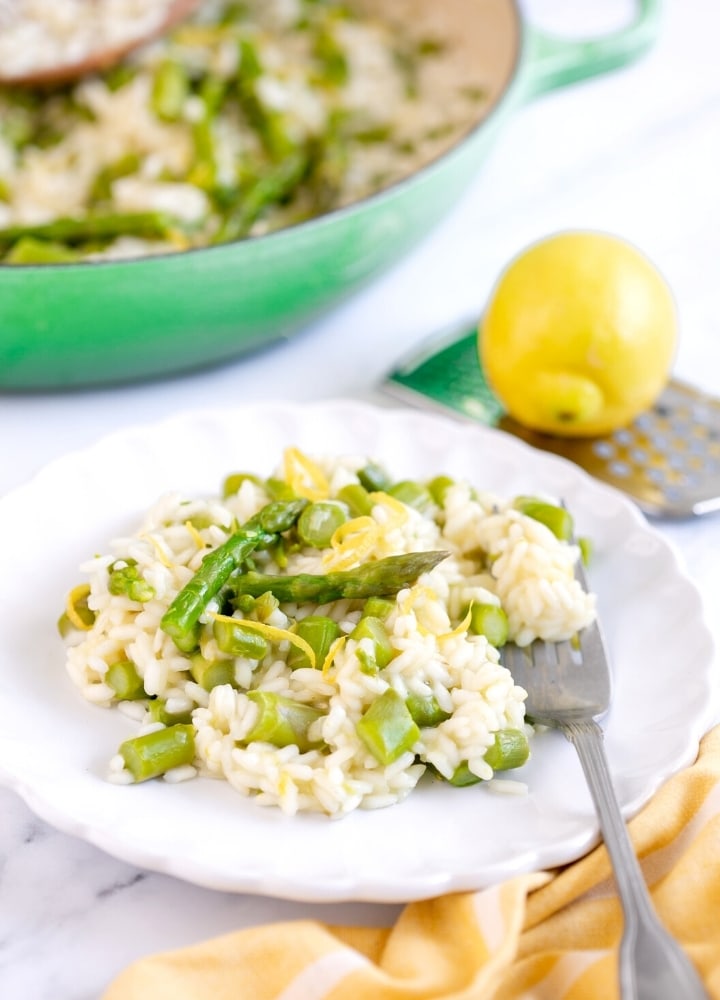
668	460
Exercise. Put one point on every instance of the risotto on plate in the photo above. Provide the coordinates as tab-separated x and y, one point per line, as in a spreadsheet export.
323	637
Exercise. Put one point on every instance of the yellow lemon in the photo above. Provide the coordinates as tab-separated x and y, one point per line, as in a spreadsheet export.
579	335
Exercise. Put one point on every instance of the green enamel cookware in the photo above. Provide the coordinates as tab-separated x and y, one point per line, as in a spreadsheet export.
69	325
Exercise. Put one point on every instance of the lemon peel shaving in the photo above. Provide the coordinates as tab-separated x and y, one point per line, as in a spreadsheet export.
352	542
200	34
396	510
178	240
408	603
332	652
73	599
461	628
159	549
304	477
414	594
195	534
271	632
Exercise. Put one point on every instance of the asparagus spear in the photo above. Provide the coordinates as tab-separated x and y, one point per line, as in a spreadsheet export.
171	87
204	172
181	618
31	251
269	124
70	230
270	188
101	190
381	578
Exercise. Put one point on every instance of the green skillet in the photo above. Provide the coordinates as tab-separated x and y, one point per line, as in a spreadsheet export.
69	325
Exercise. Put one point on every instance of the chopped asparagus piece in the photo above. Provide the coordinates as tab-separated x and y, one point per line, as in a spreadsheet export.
318	522
491	621
387	729
378	607
426	711
125	578
438	488
357	499
211	673
413	494
374	478
557	519
237	640
320	633
382	649
510	749
153	754
282	721
125	681
158	711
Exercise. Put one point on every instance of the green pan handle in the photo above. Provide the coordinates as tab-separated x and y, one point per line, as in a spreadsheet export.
555	62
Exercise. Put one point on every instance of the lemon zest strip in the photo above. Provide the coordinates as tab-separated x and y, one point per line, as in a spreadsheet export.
73	598
332	652
195	534
396	510
408	604
200	34
159	550
304	477
413	596
461	628
271	632
352	542
178	240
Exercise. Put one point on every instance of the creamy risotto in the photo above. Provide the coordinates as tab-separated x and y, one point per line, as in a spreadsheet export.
323	637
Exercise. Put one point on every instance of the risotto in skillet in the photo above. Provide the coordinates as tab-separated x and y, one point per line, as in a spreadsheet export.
249	117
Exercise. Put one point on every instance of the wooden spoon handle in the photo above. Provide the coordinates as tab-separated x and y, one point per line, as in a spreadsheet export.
102	57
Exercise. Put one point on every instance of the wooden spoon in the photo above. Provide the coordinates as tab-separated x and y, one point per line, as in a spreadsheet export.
105	52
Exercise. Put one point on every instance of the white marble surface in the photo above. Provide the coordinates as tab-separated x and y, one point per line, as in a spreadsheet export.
636	153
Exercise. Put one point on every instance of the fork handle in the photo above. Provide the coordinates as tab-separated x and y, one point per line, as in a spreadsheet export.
653	966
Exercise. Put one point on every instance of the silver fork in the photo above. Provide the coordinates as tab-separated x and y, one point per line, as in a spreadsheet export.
568	685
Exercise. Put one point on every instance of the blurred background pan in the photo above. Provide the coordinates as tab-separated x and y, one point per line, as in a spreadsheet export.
71	325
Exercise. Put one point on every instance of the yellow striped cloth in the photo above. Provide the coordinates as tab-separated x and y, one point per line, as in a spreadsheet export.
544	936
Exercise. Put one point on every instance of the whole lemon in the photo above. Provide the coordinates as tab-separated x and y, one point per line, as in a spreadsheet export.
579	335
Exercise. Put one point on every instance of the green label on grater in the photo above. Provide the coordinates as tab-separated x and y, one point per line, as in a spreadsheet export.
644	460
448	373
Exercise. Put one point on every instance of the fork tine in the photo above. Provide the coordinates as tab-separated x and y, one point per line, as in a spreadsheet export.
565	680
592	641
542	654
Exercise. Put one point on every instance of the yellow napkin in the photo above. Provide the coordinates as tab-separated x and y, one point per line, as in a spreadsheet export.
545	936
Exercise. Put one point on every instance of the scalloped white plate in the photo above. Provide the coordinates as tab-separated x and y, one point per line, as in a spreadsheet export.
54	745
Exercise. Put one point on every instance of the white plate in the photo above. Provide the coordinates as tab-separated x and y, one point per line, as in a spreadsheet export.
54	745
